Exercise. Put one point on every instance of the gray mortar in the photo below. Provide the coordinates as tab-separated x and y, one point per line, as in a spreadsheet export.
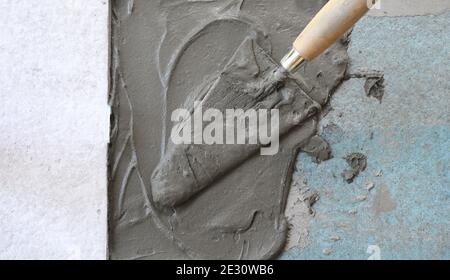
165	54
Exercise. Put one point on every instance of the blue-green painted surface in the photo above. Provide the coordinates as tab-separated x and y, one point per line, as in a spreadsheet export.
407	137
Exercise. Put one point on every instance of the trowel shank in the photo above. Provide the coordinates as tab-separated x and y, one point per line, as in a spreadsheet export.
330	23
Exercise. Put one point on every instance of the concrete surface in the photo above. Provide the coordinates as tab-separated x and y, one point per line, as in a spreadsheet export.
394	8
406	139
54	129
54	123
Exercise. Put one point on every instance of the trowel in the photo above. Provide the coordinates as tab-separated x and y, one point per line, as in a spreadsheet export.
330	23
252	79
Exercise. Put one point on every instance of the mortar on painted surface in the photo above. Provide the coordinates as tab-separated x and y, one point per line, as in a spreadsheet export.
230	205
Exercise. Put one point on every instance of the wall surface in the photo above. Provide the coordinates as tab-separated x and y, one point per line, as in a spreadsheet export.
398	207
54	123
410	7
54	132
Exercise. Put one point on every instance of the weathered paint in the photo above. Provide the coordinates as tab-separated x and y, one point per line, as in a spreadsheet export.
407	137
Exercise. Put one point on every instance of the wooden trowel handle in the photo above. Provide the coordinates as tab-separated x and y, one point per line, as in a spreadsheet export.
332	21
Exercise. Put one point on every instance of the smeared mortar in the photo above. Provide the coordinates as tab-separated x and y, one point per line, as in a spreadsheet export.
164	54
251	80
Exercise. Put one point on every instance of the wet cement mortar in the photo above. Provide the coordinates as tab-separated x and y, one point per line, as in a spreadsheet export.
209	201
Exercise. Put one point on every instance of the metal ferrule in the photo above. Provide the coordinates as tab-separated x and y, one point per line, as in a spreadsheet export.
292	61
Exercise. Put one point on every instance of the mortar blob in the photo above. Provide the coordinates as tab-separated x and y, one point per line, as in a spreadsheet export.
170	54
250	81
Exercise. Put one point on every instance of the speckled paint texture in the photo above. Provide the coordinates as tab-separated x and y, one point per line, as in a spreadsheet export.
405	214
